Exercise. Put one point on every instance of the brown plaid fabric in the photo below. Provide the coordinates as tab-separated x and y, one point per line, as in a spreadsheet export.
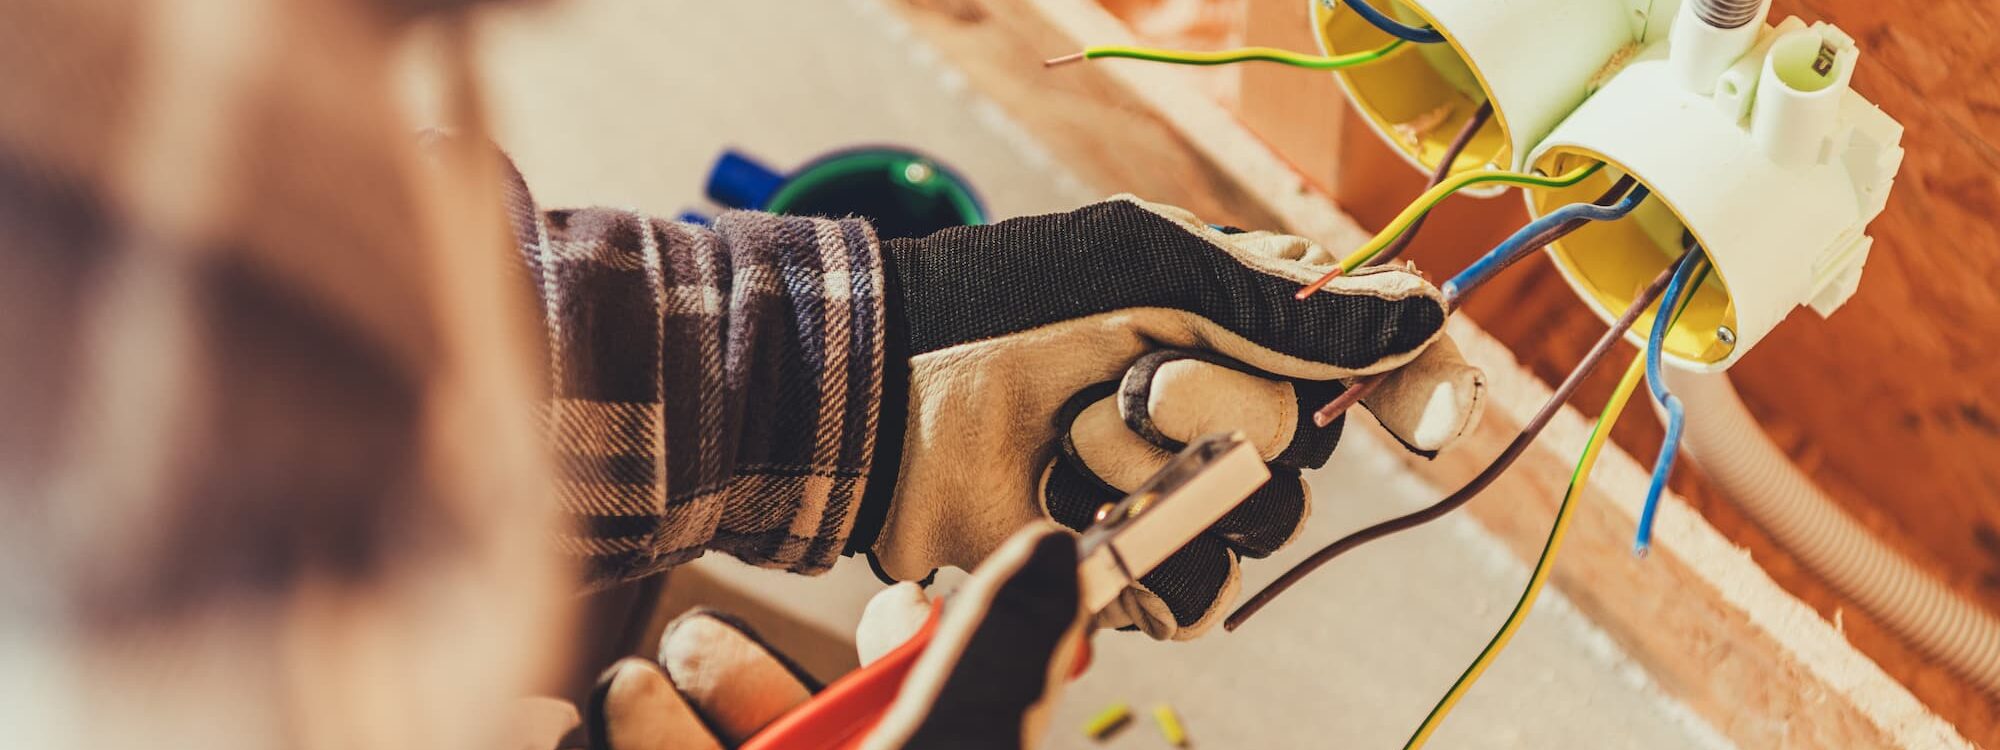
711	387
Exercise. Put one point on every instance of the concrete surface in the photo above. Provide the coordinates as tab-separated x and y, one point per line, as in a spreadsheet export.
625	102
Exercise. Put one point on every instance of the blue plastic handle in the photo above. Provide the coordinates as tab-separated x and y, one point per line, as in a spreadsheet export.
738	181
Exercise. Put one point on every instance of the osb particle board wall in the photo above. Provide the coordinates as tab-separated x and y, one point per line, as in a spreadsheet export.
1891	404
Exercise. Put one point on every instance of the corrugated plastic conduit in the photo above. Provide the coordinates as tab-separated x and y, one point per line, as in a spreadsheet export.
1726	441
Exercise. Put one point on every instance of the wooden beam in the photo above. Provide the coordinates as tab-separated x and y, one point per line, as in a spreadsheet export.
1297	112
1759	665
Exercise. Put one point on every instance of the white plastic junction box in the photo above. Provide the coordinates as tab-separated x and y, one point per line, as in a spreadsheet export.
1534	59
1749	138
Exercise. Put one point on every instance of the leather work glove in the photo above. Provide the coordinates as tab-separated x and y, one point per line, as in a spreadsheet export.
1056	362
1003	647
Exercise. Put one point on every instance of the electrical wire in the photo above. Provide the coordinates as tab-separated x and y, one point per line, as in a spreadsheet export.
1360	390
1347	399
1391	26
1225	57
1577	481
1445	162
1523	240
1430	198
1478	484
1556	233
1564	513
1663	466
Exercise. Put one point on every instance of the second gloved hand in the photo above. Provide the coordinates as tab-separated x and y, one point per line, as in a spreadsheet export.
1003	647
1055	362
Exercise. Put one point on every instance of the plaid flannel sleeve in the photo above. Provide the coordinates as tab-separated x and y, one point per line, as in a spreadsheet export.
711	387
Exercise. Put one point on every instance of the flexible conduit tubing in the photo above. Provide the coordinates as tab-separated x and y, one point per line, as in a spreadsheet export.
1732	449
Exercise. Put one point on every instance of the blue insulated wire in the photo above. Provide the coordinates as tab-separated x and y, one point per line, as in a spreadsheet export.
1521	242
1670	303
1391	26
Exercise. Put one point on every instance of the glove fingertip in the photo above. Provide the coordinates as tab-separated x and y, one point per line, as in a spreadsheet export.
734	679
1432	402
635	706
889	619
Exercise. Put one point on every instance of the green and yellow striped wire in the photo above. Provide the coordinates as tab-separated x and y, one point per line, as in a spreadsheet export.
1429	200
1620	396
1458	181
1246	54
1578	479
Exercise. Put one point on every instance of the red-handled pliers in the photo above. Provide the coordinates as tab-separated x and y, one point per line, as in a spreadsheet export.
1128	539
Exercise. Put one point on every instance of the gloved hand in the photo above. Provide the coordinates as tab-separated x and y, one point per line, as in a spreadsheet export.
1003	648
1055	362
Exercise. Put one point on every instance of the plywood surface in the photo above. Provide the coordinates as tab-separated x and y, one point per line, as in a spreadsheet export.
1916	344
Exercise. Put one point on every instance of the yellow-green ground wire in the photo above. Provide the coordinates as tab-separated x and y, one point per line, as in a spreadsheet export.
1246	54
1599	433
1459	181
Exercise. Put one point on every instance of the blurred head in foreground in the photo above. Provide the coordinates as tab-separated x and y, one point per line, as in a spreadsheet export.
266	442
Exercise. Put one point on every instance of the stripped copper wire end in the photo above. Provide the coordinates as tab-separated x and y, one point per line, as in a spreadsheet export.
1320	283
1347	398
1064	60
